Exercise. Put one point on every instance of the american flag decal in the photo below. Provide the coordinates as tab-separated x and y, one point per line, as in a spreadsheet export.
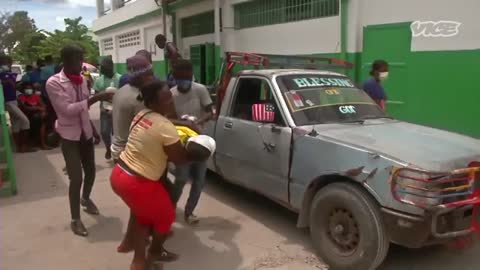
263	113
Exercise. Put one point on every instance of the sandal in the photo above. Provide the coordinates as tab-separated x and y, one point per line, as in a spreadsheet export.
164	256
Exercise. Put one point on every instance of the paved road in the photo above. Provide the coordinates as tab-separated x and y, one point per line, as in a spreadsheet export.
239	230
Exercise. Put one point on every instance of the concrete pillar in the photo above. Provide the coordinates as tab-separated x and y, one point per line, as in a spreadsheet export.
100	8
216	8
228	34
114	4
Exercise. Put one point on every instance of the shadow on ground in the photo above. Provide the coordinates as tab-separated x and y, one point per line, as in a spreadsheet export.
259	208
283	221
37	178
106	229
210	245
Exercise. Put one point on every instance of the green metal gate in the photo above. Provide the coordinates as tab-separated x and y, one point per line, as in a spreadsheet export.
390	42
197	58
203	61
8	179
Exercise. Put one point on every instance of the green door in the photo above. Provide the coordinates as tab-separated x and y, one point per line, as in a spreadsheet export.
197	56
390	42
203	61
209	63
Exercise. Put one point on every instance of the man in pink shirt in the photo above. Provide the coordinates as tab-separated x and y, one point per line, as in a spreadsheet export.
69	95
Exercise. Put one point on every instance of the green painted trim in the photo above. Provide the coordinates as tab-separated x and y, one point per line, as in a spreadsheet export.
344	25
172	7
120	68
388	25
344	29
438	96
218	61
135	19
8	175
160	70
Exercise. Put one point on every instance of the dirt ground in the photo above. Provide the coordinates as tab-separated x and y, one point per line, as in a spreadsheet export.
238	230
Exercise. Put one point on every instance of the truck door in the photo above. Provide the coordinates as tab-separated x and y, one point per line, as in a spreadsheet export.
253	147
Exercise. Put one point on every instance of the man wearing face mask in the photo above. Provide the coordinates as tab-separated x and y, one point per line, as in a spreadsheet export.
125	78
194	106
32	105
373	86
108	80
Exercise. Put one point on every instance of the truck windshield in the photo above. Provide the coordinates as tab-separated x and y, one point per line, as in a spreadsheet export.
321	99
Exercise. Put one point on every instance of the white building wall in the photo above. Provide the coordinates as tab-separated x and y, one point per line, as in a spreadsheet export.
152	30
183	44
148	30
372	12
148	27
128	12
303	37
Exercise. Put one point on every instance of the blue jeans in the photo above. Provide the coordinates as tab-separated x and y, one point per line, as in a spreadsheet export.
106	128
195	171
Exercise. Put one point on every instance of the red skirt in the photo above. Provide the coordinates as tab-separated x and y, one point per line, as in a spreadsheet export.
148	200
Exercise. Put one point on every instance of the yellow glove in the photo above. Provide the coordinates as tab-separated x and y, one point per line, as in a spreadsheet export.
185	133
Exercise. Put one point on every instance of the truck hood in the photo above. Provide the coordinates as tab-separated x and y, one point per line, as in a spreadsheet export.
418	146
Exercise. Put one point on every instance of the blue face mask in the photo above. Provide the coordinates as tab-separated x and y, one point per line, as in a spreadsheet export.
184	86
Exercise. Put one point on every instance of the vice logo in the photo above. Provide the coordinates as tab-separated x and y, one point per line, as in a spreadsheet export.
435	29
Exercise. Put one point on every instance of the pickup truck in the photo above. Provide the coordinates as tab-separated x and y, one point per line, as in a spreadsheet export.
359	179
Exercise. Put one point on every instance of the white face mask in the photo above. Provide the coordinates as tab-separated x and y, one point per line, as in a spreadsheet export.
383	76
28	92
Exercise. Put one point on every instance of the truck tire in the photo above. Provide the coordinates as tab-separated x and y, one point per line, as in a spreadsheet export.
347	229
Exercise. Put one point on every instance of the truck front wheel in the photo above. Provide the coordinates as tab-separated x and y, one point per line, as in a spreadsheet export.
347	228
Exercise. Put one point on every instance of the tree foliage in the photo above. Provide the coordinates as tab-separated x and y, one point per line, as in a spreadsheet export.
14	28
75	32
20	37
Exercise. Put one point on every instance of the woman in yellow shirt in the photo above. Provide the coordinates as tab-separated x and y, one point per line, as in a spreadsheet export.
137	176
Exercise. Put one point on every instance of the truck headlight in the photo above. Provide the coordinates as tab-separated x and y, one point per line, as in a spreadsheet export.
432	189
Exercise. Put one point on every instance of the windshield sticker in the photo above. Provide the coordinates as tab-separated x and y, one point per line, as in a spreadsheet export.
322	82
347	109
297	100
332	92
307	99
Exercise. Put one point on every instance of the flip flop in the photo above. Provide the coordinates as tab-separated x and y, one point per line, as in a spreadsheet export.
164	256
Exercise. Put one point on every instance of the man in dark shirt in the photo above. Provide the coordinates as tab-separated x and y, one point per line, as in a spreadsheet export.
171	54
20	122
171	51
373	86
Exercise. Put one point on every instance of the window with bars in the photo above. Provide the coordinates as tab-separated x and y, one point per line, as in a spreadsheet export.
196	25
107	44
129	39
266	12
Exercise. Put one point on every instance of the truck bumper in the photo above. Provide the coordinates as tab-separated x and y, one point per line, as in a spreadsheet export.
442	227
